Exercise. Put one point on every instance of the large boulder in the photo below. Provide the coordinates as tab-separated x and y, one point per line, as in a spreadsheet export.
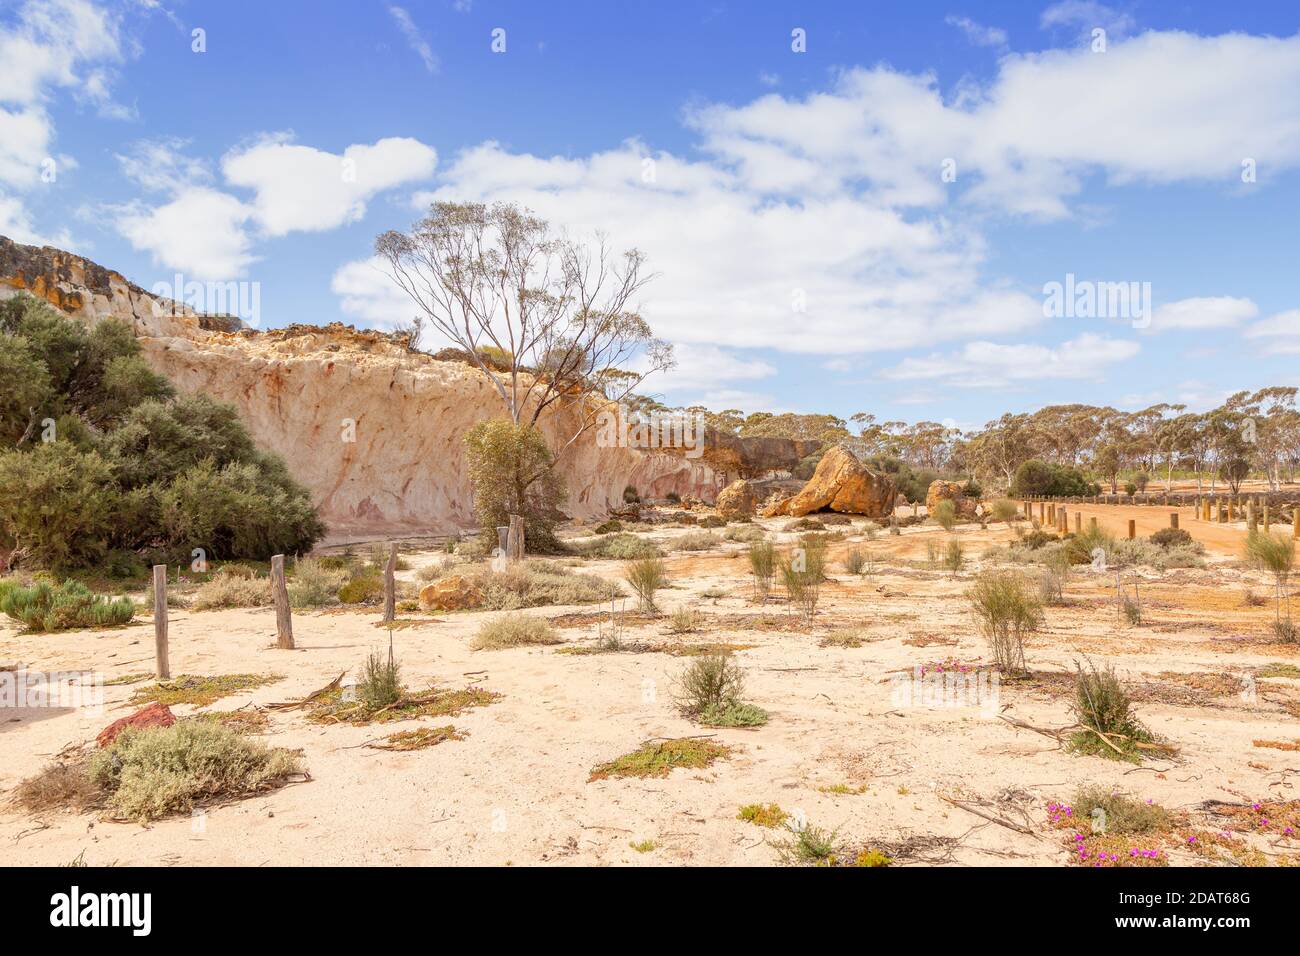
151	715
941	490
737	500
452	593
840	483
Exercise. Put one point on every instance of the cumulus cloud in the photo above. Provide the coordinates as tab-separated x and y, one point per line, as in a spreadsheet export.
1085	16
202	232
47	46
294	188
1278	333
300	188
1217	312
993	365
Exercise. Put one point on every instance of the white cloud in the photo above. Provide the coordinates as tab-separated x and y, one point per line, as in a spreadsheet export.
1159	108
977	33
202	232
738	268
1280	333
1085	16
295	189
160	165
367	293
415	38
1218	312
300	188
993	365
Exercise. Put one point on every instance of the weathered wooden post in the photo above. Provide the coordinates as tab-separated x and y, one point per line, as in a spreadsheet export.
1251	523
162	670
283	616
1295	521
1132	529
1078	522
1173	520
1267	520
1092	523
515	540
390	585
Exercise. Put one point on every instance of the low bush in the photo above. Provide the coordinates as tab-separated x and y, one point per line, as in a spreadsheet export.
696	541
620	547
163	770
67	606
683	621
514	630
380	683
1171	538
944	514
1103	707
954	556
745	533
712	521
646	576
762	565
313	584
1120	813
1006	610
540	584
611	526
365	587
710	690
855	561
229	587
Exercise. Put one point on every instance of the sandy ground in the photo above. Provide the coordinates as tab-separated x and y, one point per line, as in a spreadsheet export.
842	750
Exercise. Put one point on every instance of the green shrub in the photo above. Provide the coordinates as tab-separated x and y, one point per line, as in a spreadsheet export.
620	547
1276	554
163	770
608	527
710	691
1103	707
229	587
954	556
541	583
512	472
855	561
313	584
945	514
712	521
762	565
802	574
1122	813
68	606
1004	510
646	576
131	467
1006	610
365	587
1171	538
683	621
1038	478
514	630
381	683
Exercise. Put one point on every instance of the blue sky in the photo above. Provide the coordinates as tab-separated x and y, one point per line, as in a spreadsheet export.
812	255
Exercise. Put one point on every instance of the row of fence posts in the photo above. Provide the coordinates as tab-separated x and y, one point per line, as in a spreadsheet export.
514	551
1053	514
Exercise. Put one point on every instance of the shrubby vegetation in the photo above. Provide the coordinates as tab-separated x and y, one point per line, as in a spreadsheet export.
1036	477
67	606
102	463
511	469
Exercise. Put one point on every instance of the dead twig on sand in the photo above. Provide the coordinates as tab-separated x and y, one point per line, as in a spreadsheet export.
314	695
991	817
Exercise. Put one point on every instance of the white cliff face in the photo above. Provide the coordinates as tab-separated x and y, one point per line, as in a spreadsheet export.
373	430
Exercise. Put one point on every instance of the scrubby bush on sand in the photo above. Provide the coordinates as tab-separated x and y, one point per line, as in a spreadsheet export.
1004	510
762	565
945	514
710	691
231	588
1103	708
646	576
514	630
803	572
1006	610
619	547
381	681
1275	553
541	583
313	584
510	467
67	606
164	770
